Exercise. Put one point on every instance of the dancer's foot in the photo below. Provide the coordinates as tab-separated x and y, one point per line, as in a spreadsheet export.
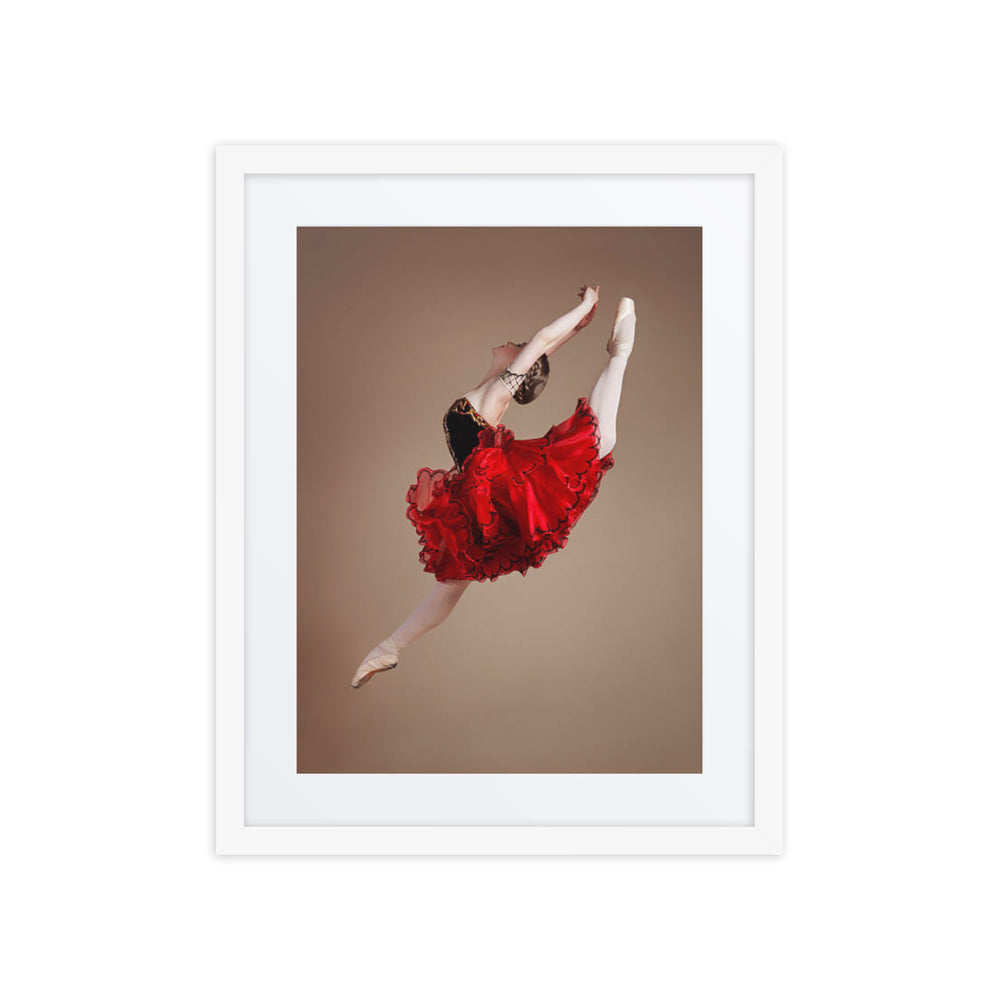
383	657
622	330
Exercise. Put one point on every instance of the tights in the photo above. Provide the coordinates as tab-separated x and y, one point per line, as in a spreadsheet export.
430	612
607	392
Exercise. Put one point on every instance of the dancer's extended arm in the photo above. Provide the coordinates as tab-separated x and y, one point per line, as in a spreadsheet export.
561	330
553	335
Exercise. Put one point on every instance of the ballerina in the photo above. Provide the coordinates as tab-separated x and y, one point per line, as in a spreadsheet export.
507	503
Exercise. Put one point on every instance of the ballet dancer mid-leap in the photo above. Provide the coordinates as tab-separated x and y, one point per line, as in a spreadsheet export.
507	503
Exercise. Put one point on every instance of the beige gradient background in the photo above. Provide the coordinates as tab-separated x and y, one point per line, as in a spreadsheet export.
592	662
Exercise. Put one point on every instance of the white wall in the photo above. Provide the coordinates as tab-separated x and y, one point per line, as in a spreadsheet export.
886	112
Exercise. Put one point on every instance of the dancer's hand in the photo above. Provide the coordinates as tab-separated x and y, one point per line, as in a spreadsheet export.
588	294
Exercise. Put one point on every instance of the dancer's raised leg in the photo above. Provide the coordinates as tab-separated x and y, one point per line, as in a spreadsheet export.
607	391
428	614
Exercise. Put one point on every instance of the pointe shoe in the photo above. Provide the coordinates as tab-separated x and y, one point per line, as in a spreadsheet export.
620	344
385	656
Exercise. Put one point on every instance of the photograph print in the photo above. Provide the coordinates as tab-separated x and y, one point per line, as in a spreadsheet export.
499	500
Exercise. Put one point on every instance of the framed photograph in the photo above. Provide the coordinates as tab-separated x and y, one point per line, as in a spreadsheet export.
499	519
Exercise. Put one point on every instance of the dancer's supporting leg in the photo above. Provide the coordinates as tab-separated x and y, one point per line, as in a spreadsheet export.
607	391
429	613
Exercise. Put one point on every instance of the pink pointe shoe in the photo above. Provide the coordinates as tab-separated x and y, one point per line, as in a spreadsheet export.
385	656
621	340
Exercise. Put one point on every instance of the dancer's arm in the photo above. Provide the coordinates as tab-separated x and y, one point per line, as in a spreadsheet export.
553	335
566	327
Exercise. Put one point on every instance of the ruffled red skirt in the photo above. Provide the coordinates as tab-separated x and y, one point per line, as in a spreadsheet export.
511	504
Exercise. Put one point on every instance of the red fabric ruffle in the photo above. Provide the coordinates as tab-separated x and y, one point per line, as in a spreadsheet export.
511	504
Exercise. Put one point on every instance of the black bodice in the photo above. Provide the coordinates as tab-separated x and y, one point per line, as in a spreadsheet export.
462	425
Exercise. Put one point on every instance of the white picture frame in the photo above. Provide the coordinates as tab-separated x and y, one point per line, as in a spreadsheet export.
761	167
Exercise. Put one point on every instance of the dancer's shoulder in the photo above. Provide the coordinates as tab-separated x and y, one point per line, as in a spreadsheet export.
490	400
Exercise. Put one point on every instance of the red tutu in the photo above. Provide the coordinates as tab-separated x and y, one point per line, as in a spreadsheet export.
512	502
